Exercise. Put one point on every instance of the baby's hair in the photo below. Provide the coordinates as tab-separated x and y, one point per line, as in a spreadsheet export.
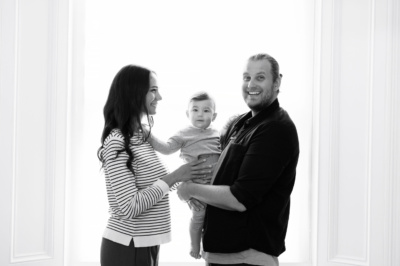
202	96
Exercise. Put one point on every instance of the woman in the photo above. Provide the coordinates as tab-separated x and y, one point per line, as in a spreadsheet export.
136	180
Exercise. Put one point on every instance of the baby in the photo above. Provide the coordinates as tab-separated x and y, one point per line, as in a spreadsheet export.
196	141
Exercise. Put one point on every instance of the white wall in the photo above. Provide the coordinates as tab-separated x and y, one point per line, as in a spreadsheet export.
356	131
359	133
33	118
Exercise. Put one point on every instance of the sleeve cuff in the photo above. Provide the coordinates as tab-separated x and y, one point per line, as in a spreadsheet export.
238	196
164	186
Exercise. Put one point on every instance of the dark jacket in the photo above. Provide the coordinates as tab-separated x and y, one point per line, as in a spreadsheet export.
260	168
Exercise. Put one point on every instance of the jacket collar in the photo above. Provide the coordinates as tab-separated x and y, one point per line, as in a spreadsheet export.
249	120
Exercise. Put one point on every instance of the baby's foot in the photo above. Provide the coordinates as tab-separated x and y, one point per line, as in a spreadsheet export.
195	254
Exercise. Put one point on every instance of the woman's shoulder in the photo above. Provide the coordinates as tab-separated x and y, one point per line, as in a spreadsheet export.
114	138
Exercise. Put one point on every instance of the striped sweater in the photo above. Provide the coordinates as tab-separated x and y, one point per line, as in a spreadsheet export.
139	204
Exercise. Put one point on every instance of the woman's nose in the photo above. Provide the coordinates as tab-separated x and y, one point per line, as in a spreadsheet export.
158	96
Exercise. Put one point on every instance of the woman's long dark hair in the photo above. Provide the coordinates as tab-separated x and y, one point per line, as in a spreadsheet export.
125	106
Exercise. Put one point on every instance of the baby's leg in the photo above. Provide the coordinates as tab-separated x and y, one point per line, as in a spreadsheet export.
195	229
196	223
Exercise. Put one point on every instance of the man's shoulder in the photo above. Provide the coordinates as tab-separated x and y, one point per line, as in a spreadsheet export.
232	121
280	118
280	128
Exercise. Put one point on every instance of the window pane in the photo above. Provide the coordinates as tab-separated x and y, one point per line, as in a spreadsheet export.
192	45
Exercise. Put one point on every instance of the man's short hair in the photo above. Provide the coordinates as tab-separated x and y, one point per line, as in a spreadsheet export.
274	64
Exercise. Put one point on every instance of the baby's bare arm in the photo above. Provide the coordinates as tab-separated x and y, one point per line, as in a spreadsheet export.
164	147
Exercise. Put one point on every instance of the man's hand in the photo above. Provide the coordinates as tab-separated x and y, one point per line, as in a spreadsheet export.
196	205
183	191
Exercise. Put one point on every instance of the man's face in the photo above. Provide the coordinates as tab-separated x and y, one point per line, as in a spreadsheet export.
258	89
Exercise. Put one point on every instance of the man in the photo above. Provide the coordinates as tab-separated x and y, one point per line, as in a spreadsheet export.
248	204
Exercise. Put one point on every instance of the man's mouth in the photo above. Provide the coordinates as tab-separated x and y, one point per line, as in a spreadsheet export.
254	92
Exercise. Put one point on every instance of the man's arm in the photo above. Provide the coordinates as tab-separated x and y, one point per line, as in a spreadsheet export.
217	196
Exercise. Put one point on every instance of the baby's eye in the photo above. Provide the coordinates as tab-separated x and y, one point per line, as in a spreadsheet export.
206	111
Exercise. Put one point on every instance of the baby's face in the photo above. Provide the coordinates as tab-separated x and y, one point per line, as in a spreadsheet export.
201	113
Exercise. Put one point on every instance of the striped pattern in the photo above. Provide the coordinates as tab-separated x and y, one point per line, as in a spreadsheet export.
137	206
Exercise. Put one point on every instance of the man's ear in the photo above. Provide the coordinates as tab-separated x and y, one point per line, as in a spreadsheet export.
214	116
277	83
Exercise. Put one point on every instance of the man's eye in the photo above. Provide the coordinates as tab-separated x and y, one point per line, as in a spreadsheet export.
245	78
260	78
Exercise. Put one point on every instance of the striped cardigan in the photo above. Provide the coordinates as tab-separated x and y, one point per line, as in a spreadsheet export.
139	204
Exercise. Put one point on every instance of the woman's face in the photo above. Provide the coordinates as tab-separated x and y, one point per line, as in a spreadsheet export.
153	96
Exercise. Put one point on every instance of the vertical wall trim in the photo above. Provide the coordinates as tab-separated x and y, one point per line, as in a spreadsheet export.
334	133
370	128
335	127
326	83
51	124
14	128
11	7
389	200
75	107
394	126
383	217
315	131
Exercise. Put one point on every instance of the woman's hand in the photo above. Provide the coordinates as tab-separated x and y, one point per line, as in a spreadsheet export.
207	179
193	170
188	172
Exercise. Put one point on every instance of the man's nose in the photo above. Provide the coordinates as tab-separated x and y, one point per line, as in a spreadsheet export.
251	84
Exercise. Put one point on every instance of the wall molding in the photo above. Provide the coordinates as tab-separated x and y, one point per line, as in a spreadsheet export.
393	59
315	135
335	140
50	163
7	98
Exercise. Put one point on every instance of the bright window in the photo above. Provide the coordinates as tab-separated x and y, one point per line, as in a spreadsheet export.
192	45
